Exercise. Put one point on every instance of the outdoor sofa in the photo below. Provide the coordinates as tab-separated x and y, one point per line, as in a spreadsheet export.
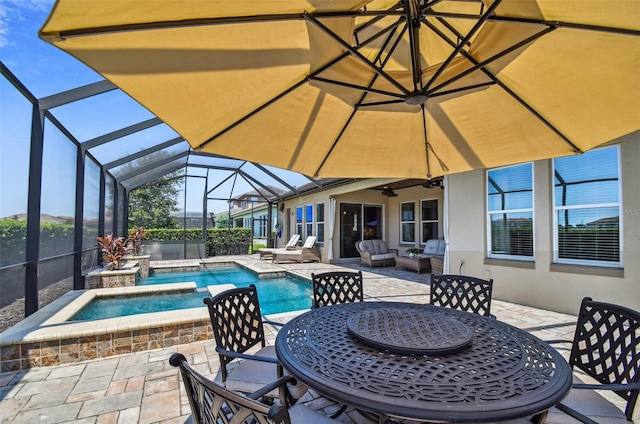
375	253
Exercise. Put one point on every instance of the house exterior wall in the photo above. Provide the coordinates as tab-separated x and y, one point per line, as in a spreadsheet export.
541	283
358	192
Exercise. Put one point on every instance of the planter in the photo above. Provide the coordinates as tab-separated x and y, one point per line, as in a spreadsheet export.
143	263
126	276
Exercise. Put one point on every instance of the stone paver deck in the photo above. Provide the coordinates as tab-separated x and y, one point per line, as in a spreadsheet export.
143	388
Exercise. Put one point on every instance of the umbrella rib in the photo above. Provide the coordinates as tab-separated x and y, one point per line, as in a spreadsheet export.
185	23
512	94
482	64
335	142
466	88
253	112
426	140
356	87
381	103
413	21
356	53
560	24
364	95
290	89
383	63
464	41
374	20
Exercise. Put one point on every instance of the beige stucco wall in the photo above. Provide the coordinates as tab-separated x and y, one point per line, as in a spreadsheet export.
358	192
545	285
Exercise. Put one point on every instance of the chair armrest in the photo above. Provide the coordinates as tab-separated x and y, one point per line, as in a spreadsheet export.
246	356
269	387
556	341
392	251
622	387
276	323
365	254
575	414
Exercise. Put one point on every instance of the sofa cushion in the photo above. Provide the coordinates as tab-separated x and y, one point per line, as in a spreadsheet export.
383	256
375	246
433	247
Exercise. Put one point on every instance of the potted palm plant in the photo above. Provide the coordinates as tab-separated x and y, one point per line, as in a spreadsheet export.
413	252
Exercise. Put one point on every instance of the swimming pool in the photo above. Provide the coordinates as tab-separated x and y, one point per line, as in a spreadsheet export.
276	295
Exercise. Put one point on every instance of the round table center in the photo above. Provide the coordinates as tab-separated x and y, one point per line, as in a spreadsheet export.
411	332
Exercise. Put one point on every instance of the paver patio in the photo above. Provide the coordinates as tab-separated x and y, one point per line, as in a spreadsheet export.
143	388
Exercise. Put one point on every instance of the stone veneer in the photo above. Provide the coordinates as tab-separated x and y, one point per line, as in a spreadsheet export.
125	277
62	351
143	263
49	337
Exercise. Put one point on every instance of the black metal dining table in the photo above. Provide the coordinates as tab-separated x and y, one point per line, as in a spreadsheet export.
423	362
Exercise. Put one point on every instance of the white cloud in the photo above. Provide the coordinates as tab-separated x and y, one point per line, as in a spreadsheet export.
12	12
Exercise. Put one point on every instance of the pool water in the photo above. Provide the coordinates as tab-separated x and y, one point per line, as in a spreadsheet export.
276	295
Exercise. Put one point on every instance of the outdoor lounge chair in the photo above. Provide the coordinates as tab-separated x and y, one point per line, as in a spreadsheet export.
331	288
267	253
212	403
237	327
375	253
462	292
308	253
606	347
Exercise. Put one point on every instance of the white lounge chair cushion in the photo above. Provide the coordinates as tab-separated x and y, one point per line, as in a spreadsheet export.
249	376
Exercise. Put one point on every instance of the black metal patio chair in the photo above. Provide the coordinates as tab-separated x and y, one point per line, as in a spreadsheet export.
238	326
606	347
462	292
331	288
212	403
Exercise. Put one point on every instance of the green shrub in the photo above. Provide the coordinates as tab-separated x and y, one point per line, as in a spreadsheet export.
223	241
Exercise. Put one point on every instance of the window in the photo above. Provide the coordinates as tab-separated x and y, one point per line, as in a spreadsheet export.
299	221
308	220
407	222
510	212
587	208
320	222
260	226
429	220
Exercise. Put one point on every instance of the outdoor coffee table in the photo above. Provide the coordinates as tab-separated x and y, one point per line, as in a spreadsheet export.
415	263
423	362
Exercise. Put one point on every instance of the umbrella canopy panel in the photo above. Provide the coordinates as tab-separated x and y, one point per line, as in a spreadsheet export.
408	89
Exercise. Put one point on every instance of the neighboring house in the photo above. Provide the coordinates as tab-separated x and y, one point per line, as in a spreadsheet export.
548	232
250	210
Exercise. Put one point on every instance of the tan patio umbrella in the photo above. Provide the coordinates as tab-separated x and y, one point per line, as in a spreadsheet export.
355	88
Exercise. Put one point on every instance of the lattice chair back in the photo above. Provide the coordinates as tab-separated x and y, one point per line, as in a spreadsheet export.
211	403
236	320
606	346
462	292
332	288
